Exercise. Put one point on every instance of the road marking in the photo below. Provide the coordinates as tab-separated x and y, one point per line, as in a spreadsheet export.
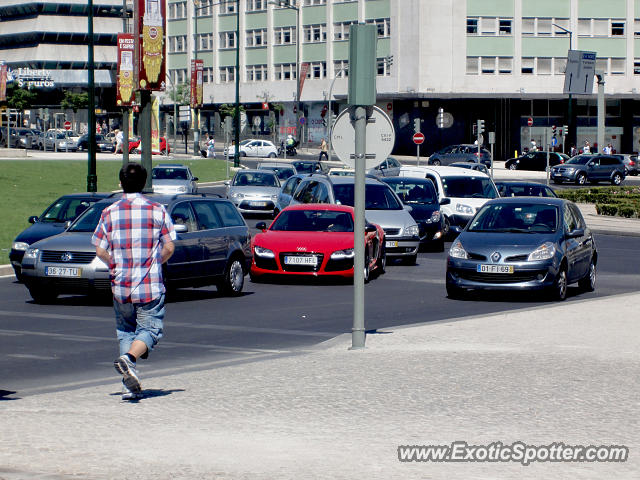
31	357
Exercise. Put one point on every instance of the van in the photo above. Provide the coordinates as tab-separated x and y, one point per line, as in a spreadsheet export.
466	190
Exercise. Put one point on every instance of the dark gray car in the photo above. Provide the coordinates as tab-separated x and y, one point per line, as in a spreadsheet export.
460	153
590	168
213	247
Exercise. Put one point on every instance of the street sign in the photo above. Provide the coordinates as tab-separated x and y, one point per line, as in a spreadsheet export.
67	125
184	113
554	142
380	138
530	121
265	105
418	138
302	120
578	76
492	138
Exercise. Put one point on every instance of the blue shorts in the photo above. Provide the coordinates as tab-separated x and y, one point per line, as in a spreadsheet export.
139	321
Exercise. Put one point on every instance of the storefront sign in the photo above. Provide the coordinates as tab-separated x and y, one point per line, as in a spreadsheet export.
150	42
126	51
197	67
30	77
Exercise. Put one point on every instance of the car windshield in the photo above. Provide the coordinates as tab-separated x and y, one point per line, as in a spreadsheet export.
88	221
169	173
60	135
282	172
413	192
65	209
377	197
255	179
469	187
515	218
527	191
579	160
313	221
306	167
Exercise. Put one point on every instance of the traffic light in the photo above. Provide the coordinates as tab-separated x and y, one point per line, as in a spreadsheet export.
480	127
553	131
416	125
565	129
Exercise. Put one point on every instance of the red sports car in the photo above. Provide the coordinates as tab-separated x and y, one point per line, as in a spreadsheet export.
134	146
314	239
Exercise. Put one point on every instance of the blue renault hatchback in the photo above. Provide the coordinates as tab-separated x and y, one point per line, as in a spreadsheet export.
523	243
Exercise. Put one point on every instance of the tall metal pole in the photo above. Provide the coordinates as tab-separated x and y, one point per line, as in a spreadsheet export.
601	111
92	178
144	126
298	79
236	152
196	120
125	110
359	119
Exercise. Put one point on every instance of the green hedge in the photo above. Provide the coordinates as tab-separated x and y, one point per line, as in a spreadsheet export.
621	201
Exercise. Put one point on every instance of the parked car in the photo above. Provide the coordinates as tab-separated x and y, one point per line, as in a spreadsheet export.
309	166
630	163
341	172
315	240
535	161
102	144
52	221
14	137
420	194
254	191
282	170
254	148
481	167
286	192
173	178
460	153
467	191
524	189
383	207
24	137
389	167
590	168
213	247
58	140
523	244
135	147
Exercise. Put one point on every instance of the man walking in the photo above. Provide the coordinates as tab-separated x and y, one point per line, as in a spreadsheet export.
324	148
134	238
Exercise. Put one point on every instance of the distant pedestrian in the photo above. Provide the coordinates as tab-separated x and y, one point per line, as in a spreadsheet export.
587	148
119	141
105	127
573	151
211	147
534	147
134	238
324	149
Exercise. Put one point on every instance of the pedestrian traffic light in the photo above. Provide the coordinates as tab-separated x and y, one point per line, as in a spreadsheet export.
480	127
416	125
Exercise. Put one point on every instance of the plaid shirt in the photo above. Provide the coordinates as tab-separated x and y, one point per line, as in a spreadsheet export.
133	230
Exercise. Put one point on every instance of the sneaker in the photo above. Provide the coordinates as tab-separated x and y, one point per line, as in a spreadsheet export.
127	368
128	394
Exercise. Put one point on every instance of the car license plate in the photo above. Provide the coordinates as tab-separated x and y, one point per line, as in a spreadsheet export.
63	272
258	204
295	260
390	244
495	268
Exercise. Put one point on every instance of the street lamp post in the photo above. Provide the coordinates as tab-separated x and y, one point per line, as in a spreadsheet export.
92	178
571	136
236	150
175	107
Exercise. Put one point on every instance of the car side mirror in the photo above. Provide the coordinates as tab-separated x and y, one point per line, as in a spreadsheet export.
445	201
578	232
195	179
180	228
227	183
590	164
370	228
32	219
261	226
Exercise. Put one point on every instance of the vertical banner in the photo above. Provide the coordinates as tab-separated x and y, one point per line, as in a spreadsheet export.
124	78
304	69
130	124
155	124
197	69
150	58
3	82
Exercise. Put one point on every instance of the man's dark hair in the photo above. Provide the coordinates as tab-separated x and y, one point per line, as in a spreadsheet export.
133	177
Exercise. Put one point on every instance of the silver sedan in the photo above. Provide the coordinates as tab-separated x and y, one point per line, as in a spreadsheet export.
254	191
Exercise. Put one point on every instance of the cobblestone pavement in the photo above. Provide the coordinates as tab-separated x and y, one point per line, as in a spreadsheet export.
559	373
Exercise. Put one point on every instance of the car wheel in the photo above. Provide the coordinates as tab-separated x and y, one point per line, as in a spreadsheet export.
581	179
513	166
163	151
272	155
559	288
367	269
42	296
453	292
243	154
588	283
381	264
436	163
616	179
233	278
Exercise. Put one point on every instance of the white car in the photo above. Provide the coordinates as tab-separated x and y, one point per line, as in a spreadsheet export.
254	148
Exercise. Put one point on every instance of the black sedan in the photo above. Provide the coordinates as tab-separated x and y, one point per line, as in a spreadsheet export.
535	161
420	195
524	189
102	144
523	244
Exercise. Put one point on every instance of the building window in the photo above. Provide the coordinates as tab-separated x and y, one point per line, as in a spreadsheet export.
559	65
309	3
228	40
472	26
584	27
618	66
207	75
488	26
527	65
177	11
228	6
617	28
602	65
256	38
205	41
177	44
505	65
472	65
384	69
285	71
284	36
600	27
227	74
544	26
528	27
256	73
315	33
488	65
505	27
636	66
341	68
256	5
383	25
178	75
205	9
317	70
544	66
341	30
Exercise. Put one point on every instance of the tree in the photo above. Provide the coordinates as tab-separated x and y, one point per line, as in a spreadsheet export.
21	98
181	95
229	109
74	101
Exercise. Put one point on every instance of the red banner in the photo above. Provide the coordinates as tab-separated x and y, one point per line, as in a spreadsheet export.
3	83
197	83
125	76
304	68
150	59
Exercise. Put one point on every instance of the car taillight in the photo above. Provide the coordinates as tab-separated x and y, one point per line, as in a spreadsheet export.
632	163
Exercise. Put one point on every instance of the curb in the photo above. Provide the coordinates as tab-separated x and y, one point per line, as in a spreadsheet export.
6	270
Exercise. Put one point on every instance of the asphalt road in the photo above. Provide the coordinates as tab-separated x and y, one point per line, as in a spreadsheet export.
72	343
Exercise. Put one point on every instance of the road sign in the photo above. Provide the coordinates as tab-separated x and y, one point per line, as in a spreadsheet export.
380	138
530	121
418	138
554	142
578	76
265	105
302	120
67	125
184	113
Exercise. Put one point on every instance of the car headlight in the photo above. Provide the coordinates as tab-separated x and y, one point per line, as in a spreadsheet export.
435	217
343	254
466	209
413	231
263	252
458	251
20	246
31	253
237	195
570	170
274	197
544	252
